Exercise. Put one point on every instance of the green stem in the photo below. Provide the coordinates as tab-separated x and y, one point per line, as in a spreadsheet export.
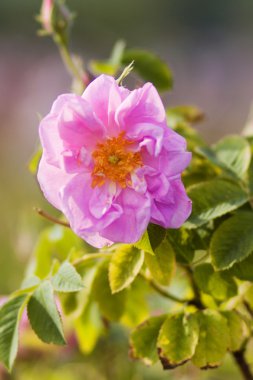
162	291
69	63
91	256
68	60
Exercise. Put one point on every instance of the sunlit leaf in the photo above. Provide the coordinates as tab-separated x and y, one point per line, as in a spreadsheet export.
44	316
232	153
177	340
136	308
88	327
143	340
10	314
111	65
220	285
67	279
184	243
232	241
34	162
54	243
162	264
124	266
236	328
150	67
111	305
179	114
243	269
213	341
212	199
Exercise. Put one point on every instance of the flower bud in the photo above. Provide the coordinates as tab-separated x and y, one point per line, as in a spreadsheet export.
55	17
46	14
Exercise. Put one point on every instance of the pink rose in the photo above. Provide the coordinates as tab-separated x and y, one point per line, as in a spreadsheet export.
111	164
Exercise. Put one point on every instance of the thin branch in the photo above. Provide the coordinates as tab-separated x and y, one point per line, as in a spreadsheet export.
50	217
196	301
162	291
243	365
248	308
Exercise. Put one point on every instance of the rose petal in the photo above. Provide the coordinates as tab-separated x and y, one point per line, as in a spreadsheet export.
143	105
105	96
133	221
52	180
172	211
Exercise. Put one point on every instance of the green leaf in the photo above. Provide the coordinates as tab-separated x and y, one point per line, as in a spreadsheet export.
156	235
44	316
213	339
151	239
250	178
30	282
143	340
117	53
232	241
103	67
10	314
202	274
124	266
69	302
248	296
236	328
250	171
184	244
211	156
181	114
189	133
136	308
54	243
112	65
220	285
162	264
243	269
111	305
88	327
234	152
212	199
144	244
34	161
150	67
177	340
67	279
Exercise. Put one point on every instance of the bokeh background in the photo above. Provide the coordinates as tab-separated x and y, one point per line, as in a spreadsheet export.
208	45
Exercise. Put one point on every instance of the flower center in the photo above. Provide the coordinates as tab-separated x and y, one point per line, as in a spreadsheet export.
114	161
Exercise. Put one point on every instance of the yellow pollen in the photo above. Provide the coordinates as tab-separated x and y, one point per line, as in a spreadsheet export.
114	160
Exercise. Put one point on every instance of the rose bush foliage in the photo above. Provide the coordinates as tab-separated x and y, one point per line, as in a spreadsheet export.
183	289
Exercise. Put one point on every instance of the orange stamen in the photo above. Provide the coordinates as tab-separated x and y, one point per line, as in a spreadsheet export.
114	161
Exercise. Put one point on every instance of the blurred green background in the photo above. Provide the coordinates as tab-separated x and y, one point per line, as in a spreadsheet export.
208	45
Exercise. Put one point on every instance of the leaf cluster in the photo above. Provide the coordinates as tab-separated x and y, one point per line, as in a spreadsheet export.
186	294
